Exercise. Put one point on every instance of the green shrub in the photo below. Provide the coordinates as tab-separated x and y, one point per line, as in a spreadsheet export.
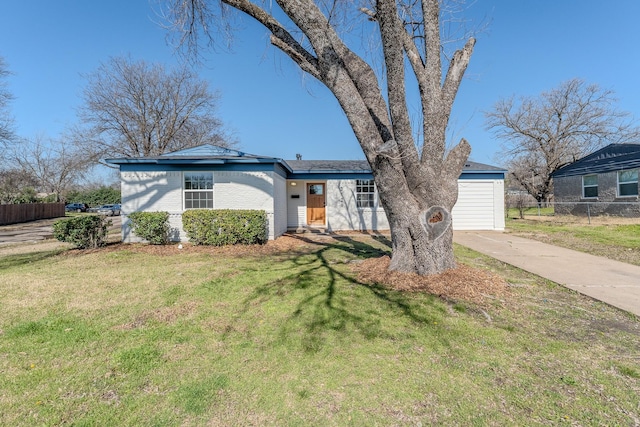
88	231
151	226
95	197
225	226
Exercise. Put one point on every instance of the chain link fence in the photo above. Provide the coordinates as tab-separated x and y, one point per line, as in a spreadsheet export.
580	209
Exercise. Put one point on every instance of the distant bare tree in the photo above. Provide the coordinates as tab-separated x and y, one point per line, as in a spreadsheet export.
6	121
55	166
542	134
14	183
132	108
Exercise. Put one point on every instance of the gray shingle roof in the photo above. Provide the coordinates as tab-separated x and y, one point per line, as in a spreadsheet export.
362	166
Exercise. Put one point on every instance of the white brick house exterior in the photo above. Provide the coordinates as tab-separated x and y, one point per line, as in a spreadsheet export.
333	195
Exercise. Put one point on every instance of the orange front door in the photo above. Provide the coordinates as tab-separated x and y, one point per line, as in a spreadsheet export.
316	202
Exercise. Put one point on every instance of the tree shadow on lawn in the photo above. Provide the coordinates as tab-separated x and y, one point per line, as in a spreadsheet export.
327	305
17	260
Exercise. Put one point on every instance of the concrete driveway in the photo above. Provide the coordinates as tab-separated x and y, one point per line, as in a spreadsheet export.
613	282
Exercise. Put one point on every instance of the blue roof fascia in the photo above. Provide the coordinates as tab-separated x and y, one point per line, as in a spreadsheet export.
227	167
198	161
477	175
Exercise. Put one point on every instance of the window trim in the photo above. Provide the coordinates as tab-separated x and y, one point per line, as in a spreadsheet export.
185	191
619	183
584	187
374	201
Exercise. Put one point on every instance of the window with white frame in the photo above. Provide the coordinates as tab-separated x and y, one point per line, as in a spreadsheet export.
198	190
628	183
365	193
590	186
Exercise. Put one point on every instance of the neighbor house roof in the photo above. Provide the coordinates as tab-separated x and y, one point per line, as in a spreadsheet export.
613	157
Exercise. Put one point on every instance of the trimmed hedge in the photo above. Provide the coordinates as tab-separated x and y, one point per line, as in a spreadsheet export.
151	226
87	231
225	226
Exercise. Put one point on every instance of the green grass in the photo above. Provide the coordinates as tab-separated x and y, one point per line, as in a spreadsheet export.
543	211
616	241
123	337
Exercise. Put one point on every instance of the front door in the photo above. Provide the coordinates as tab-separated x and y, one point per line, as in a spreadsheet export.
316	202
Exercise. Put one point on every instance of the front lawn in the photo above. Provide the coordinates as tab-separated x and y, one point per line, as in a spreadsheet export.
287	335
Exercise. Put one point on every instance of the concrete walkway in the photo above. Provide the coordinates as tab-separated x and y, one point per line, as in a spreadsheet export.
612	282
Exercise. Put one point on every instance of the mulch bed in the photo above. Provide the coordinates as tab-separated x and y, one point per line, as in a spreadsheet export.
462	283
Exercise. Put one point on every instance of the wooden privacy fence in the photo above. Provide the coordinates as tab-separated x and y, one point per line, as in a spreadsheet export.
15	214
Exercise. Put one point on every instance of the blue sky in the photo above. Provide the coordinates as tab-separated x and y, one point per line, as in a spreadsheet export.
529	46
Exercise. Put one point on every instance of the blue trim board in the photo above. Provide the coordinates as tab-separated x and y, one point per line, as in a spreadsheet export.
248	167
470	176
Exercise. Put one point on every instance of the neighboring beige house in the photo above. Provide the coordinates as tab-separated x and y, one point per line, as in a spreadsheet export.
335	195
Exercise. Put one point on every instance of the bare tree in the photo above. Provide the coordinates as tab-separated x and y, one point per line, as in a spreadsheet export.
417	187
14	184
132	108
55	166
542	134
6	121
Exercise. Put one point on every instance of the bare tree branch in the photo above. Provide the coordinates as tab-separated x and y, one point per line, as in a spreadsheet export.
542	134
139	109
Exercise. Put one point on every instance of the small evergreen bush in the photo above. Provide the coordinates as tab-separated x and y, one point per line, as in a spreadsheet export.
151	226
225	226
87	231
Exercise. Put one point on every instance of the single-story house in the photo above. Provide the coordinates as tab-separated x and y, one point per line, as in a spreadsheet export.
296	194
604	182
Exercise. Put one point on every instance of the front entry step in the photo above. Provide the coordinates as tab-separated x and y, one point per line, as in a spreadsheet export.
313	230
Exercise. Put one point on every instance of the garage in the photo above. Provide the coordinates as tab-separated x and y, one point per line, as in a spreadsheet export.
480	205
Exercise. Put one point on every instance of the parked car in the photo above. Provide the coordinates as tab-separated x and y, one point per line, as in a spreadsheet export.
109	210
76	207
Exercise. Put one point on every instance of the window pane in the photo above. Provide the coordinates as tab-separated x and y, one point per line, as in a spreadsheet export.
365	200
198	181
590	191
628	176
629	189
590	180
365	193
316	189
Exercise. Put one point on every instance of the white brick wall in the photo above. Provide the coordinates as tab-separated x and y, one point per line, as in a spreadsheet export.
343	213
162	191
296	207
279	205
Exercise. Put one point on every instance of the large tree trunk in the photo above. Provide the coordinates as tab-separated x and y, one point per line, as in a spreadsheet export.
415	252
419	214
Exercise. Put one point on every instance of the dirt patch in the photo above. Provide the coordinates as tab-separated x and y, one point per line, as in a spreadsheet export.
168	315
462	283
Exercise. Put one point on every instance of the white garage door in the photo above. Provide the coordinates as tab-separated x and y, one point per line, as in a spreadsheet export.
475	207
